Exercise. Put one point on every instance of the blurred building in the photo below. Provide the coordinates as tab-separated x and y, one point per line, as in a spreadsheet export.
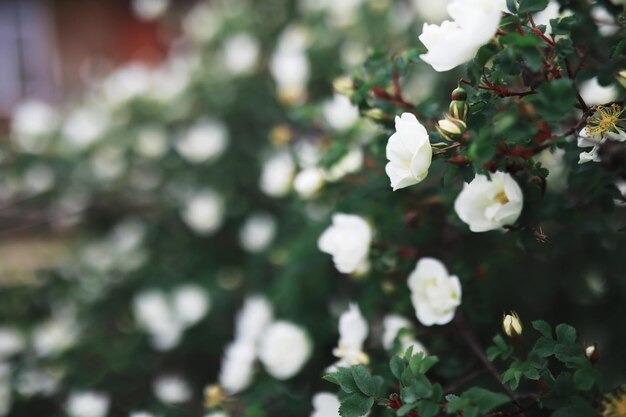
49	49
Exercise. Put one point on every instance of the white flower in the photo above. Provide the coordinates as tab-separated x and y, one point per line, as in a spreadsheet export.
325	404
431	11
257	313
434	293
202	22
353	330
585	140
87	404
277	174
349	164
11	342
37	382
204	212
38	178
56	334
141	414
290	69
593	93
237	366
153	313
126	83
392	325
171	389
149	9
284	349
309	182
257	232
190	303
31	120
409	153
241	53
607	26
554	162
340	113
84	126
203	142
151	142
490	204
348	240
455	42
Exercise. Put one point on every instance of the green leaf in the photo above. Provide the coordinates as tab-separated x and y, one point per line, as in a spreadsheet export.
529	6
486	400
583	379
427	363
542	327
397	365
405	409
427	408
355	405
346	380
565	333
363	380
544	347
331	378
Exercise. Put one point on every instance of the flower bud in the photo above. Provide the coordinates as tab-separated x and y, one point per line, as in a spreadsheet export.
591	352
458	94
621	78
451	128
213	396
343	85
459	109
374	114
280	135
512	325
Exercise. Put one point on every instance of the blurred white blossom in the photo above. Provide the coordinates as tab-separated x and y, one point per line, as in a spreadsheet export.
340	113
348	240
31	121
593	93
353	330
257	232
11	342
149	9
87	404
392	325
203	142
241	53
325	404
308	182
284	349
277	174
171	389
204	212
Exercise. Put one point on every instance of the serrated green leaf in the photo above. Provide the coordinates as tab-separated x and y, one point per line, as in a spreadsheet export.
565	333
542	327
363	380
355	405
397	365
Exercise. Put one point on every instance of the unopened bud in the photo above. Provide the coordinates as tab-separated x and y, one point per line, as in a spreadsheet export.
458	94
374	114
344	85
280	135
621	78
451	128
213	396
591	352
459	109
512	325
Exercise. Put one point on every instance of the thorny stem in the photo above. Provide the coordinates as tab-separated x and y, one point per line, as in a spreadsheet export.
479	352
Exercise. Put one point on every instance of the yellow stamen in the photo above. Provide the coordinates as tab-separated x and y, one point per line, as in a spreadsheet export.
614	405
502	198
605	119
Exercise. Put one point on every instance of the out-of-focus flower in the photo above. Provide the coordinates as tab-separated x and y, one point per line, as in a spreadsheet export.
241	53
204	212
32	120
348	240
431	11
150	9
237	366
257	313
154	314
171	389
203	142
37	382
490	203
284	349
11	342
84	126
213	396
257	232
352	162
607	26
340	113
290	68
455	42
202	22
141	414
151	142
553	161
353	330
38	178
392	325
277	174
57	334
325	404
409	153
190	303
126	83
87	404
435	293
309	182
594	94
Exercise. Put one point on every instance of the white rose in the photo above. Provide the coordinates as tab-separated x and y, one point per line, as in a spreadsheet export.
277	174
204	212
171	389
392	325
237	367
257	232
585	140
353	330
490	204
455	42
284	349
241	53
205	141
191	303
431	11
325	404
593	93
348	240
87	404
257	313
340	113
409	153
309	182
434	293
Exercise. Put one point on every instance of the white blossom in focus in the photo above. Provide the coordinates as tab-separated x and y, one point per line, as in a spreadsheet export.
435	294
325	404
340	113
353	330
204	212
241	53
456	41
257	232
348	240
284	349
203	142
586	140
171	389
490	203
87	404
409	153
277	174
